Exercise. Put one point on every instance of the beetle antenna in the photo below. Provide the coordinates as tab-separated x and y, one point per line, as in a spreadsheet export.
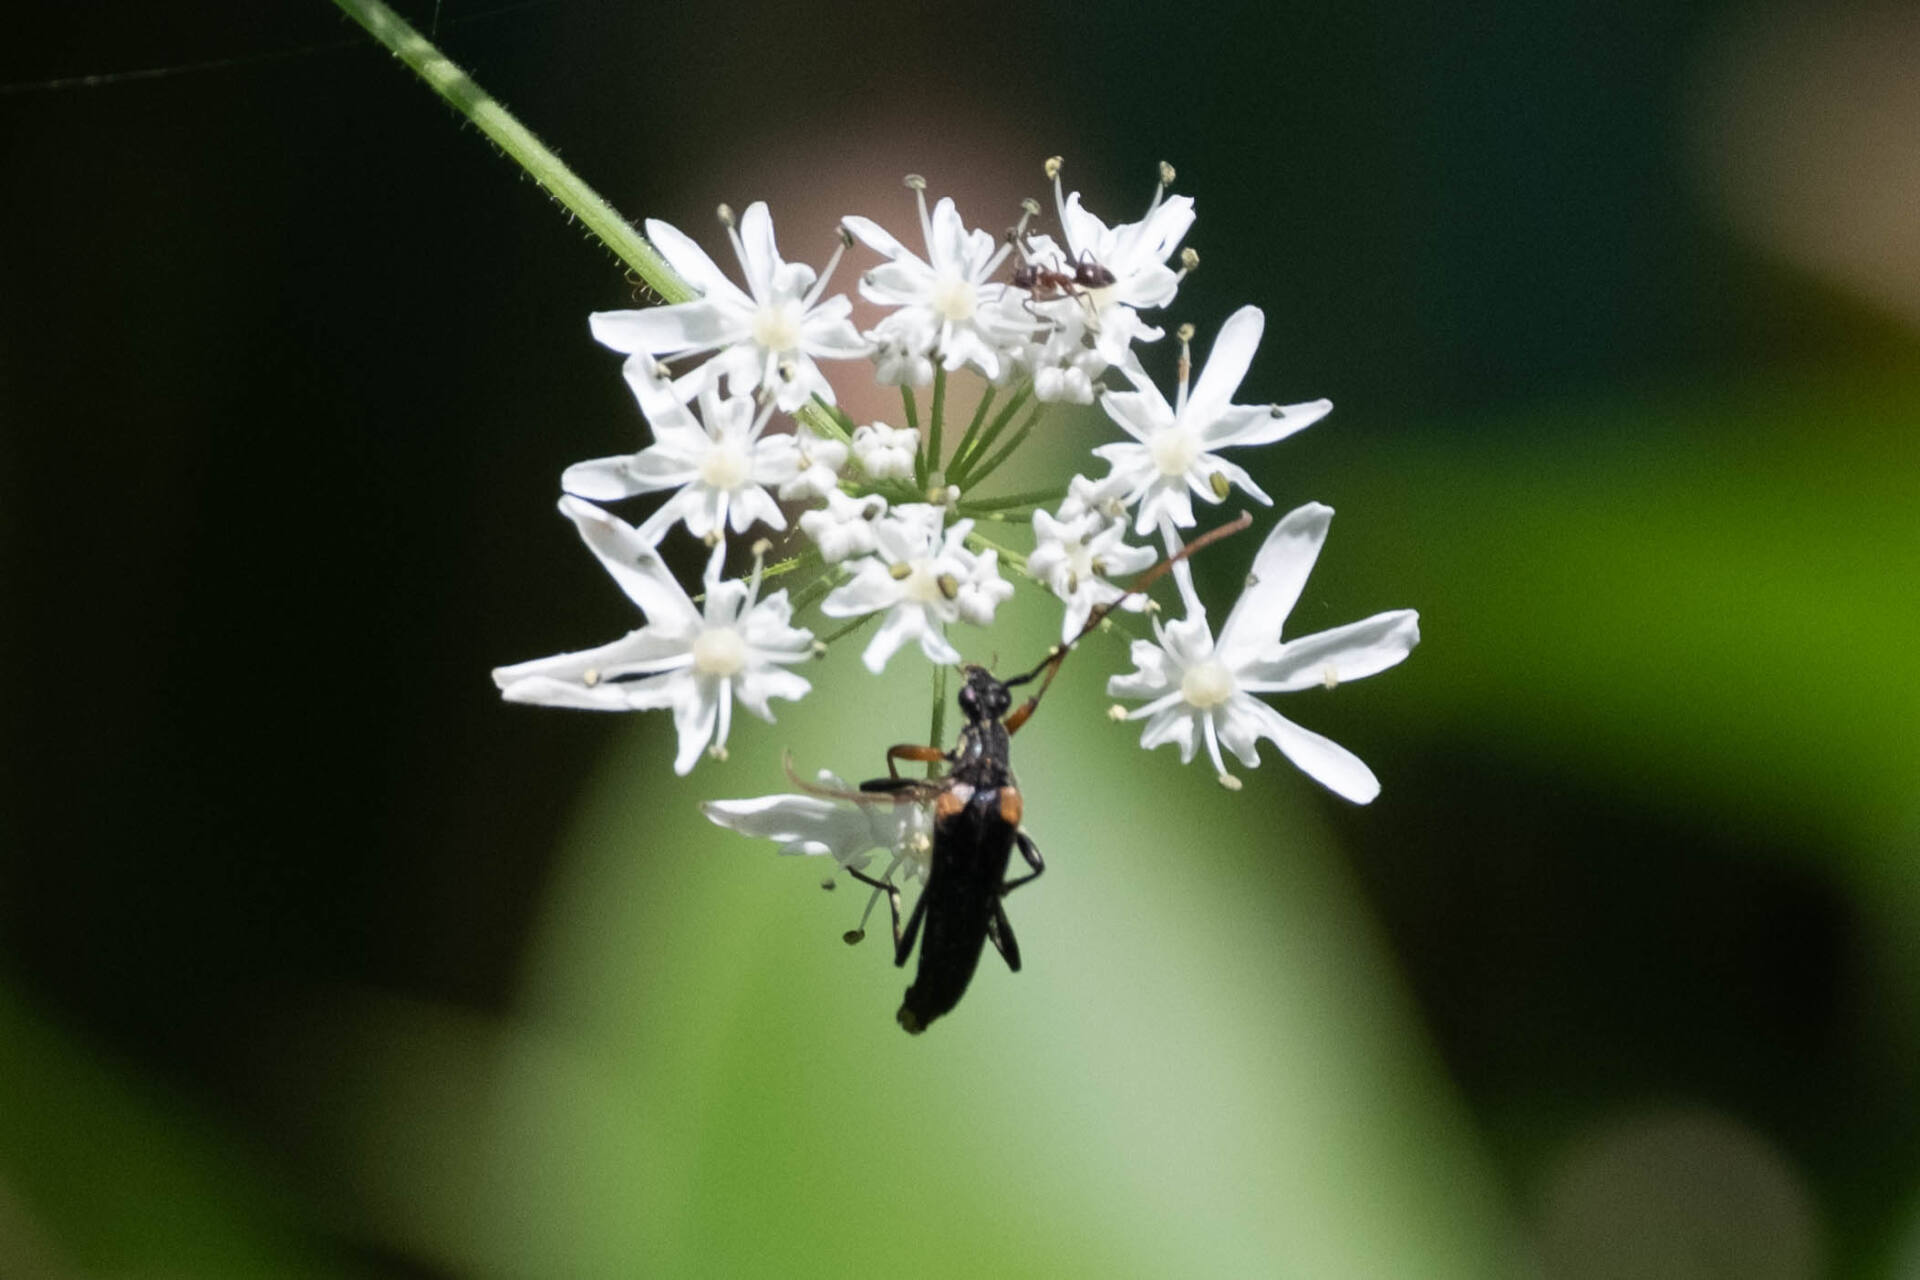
1146	578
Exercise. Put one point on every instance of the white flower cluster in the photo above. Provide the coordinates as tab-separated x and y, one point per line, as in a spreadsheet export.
890	521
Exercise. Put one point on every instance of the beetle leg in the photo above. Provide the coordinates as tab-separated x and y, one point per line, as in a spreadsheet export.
1001	932
903	944
893	905
912	751
1031	852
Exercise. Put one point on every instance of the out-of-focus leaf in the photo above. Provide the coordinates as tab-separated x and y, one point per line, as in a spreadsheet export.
104	1174
1206	1067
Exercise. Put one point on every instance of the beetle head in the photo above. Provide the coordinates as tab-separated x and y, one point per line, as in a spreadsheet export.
983	697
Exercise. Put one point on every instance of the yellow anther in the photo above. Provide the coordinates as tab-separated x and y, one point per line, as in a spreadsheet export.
900	571
1054	165
1184	333
725	214
1220	485
1230	782
1166	174
914	182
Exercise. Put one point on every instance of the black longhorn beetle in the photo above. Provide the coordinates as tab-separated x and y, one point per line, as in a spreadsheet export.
976	824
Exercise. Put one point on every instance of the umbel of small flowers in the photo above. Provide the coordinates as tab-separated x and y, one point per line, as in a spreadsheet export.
907	528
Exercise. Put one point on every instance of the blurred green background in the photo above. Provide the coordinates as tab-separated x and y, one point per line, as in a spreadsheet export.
317	960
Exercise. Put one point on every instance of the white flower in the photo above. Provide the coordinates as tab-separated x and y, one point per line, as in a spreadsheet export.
766	337
983	590
1064	365
1172	450
818	465
1106	495
720	468
1193	684
849	832
944	304
917	577
900	359
695	663
844	527
884	452
1134	253
1076	556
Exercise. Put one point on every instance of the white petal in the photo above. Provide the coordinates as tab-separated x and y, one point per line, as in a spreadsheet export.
1279	573
1325	761
800	824
1262	424
691	262
872	235
871	588
1085	233
633	563
683	326
546	692
1330	657
1226	365
763	256
693	718
1235	474
903	624
934	643
1138	413
642	647
754	688
826	331
1176	724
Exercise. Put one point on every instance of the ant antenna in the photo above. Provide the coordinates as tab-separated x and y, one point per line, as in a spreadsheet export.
1147	577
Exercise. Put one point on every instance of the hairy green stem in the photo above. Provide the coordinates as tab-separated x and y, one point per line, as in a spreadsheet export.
535	158
522	147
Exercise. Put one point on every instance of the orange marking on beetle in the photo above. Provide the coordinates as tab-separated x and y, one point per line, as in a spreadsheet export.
1010	806
952	801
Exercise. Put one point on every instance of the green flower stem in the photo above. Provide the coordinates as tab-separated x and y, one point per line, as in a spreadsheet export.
976	474
852	627
935	417
1031	498
445	78
1008	556
911	408
961	473
830	422
939	735
973	428
815	591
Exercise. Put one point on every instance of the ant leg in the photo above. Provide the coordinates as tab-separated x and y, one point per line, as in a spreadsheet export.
893	904
1031	852
1001	932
